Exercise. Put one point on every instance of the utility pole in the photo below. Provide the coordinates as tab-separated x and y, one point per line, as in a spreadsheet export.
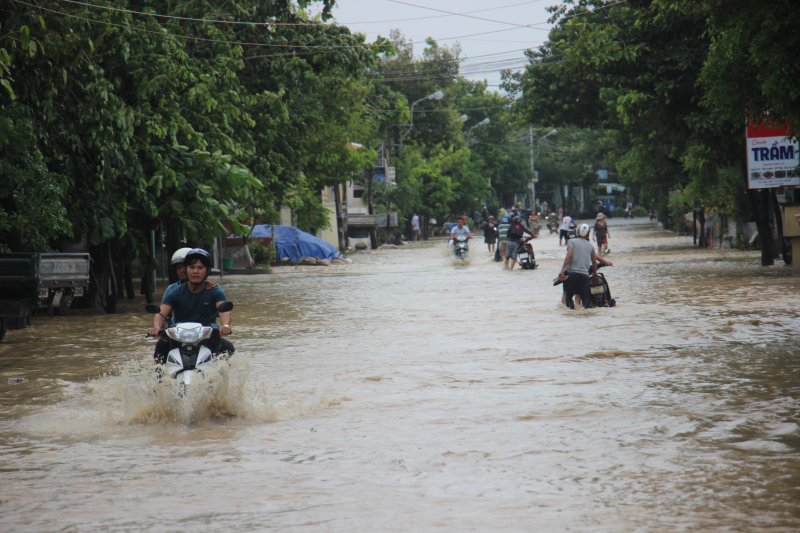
387	160
533	170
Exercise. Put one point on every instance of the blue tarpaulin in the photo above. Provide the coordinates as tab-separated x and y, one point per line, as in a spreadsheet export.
295	244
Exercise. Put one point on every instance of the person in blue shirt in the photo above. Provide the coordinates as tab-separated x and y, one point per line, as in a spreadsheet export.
177	263
193	301
455	225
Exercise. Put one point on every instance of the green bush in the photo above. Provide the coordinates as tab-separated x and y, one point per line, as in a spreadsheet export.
263	255
619	212
640	211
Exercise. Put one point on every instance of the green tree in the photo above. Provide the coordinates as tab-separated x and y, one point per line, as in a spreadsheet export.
638	67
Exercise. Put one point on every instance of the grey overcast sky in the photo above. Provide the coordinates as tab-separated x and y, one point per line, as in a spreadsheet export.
501	23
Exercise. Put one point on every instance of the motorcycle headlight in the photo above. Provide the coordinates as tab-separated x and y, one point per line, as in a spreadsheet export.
462	237
173	334
189	335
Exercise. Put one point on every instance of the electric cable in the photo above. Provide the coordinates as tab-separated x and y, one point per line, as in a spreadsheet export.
336	23
465	15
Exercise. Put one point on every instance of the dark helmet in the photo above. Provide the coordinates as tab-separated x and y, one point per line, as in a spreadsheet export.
198	254
516	220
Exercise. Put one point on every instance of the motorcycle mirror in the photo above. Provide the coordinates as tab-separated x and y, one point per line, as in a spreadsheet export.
153	309
224	307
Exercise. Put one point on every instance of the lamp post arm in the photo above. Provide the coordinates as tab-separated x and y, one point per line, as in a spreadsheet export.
411	120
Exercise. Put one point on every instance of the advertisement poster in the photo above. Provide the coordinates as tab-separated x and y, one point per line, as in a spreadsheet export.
772	158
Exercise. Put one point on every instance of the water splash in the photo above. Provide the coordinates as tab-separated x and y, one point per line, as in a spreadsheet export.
219	391
132	395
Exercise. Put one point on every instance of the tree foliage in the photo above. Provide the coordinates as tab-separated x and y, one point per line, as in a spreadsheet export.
210	115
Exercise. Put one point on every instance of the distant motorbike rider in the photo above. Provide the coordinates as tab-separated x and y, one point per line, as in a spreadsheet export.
515	233
194	302
564	232
580	261
459	229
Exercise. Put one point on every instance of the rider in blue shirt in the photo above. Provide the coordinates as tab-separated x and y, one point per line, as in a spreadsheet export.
193	301
190	306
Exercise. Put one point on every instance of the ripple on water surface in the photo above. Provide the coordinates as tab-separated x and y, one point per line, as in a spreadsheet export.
406	392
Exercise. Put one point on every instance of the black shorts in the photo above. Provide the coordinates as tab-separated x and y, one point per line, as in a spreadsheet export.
564	234
577	284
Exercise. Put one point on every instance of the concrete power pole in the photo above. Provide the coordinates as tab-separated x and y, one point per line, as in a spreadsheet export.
533	169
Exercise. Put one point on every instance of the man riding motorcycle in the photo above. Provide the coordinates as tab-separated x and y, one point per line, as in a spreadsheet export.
180	269
459	229
193	301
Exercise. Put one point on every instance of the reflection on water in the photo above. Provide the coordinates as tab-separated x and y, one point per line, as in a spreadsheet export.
405	392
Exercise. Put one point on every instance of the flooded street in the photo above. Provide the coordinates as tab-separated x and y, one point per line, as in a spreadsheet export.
404	393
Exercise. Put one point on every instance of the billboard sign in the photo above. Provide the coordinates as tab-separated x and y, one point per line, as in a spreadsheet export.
772	158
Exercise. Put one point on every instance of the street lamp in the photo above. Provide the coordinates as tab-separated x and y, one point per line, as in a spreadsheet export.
481	123
438	95
462	118
533	162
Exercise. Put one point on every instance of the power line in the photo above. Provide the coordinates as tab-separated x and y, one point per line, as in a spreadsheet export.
307	23
190	19
444	77
442	16
219	41
166	34
463	15
499	64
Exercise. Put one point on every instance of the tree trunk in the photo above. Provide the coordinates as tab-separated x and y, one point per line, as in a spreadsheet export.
701	216
112	296
128	278
762	223
118	274
147	285
389	238
173	245
94	292
776	209
373	231
340	222
760	213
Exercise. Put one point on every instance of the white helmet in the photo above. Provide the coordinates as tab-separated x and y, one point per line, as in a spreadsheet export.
179	256
583	230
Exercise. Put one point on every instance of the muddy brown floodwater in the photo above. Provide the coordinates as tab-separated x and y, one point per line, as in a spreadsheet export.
405	393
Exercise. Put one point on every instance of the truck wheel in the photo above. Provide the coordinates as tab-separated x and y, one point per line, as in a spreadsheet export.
2	329
63	307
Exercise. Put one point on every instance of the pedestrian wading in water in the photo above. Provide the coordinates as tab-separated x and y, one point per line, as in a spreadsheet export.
601	233
490	233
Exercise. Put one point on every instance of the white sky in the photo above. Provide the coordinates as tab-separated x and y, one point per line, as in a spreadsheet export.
378	17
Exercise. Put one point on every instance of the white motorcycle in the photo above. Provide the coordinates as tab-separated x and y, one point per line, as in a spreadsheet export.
190	358
460	247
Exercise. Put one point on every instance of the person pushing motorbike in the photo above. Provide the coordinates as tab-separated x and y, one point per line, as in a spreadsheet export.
515	232
193	301
581	259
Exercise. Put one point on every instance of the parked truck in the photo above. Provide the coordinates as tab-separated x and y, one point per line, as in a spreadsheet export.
38	281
